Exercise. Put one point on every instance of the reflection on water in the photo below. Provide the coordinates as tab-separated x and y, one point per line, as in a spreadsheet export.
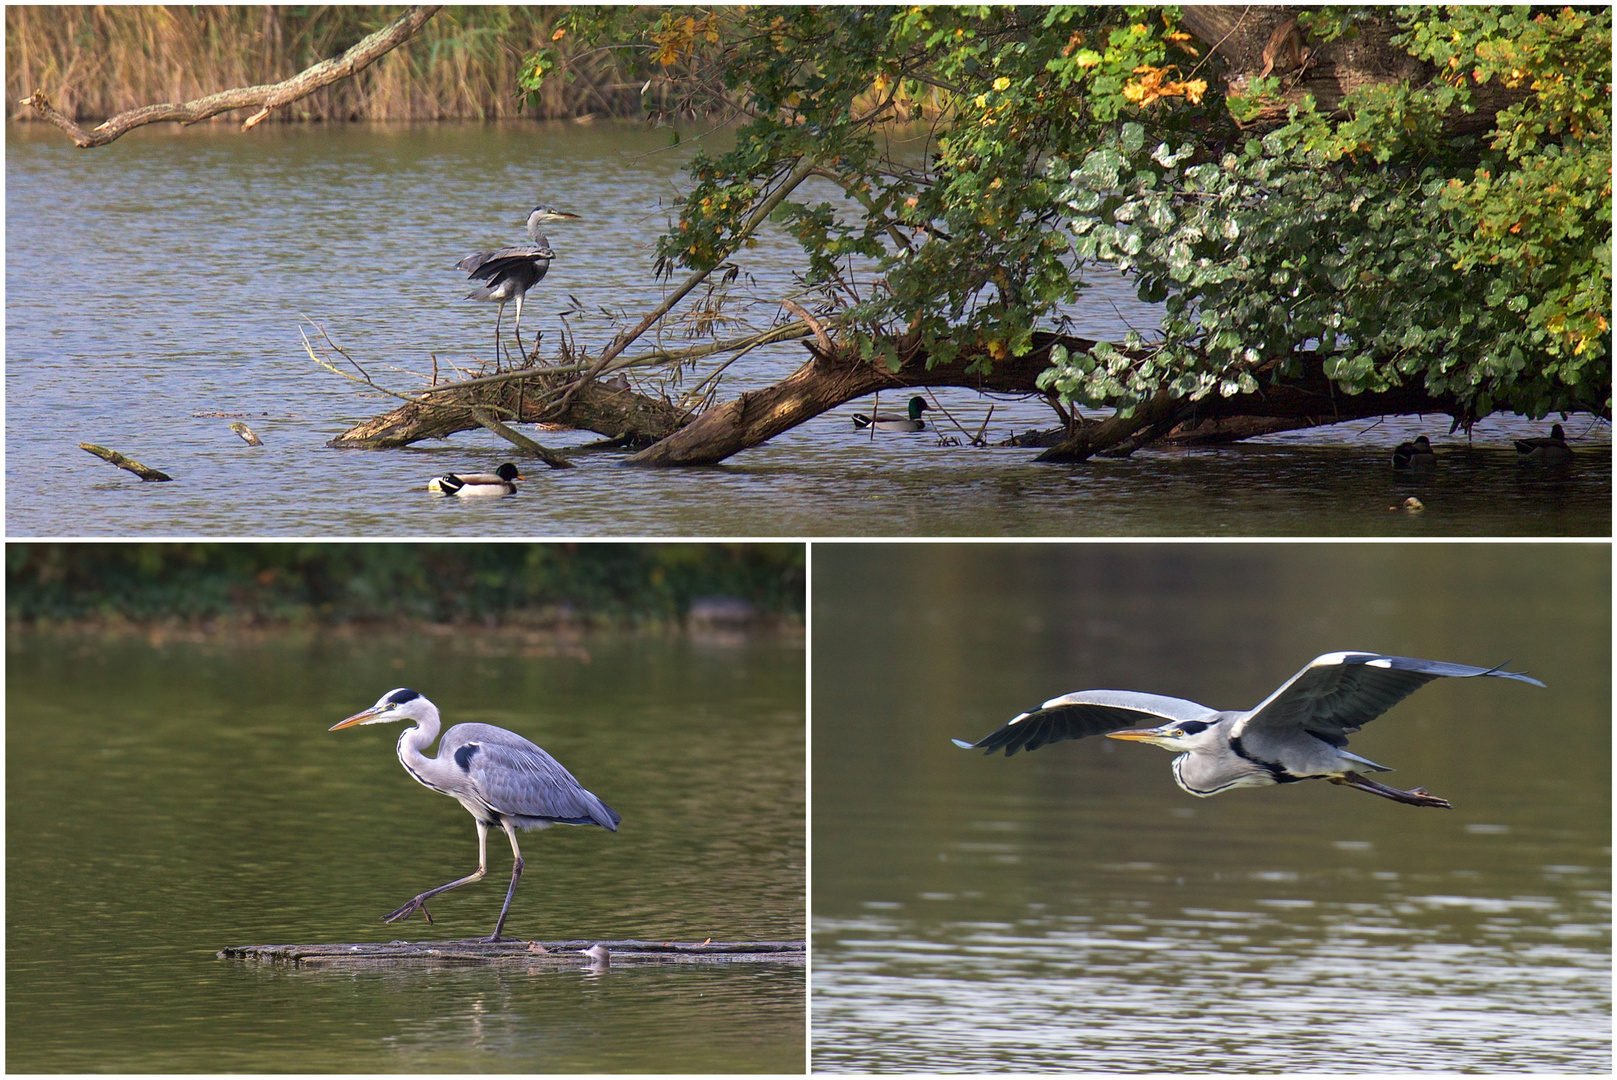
166	799
1072	909
1211	978
207	249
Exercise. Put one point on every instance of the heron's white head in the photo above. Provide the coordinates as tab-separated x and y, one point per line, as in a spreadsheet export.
400	704
1180	736
546	212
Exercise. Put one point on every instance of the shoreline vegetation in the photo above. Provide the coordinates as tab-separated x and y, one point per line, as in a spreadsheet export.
97	61
181	590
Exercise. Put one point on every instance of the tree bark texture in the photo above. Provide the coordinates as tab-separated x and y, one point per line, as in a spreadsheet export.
615	413
1246	38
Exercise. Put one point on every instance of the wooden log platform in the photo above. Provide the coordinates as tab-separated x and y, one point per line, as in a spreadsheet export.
549	953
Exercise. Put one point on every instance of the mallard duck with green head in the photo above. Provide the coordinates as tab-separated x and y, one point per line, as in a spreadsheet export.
501	481
890	422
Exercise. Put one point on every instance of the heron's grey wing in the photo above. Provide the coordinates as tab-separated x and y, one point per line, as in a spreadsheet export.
1088	712
516	777
484	263
1340	692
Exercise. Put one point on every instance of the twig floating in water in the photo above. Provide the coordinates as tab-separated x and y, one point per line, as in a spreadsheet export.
115	458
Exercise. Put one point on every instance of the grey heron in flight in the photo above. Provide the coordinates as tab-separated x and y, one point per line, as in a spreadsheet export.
508	274
502	779
1299	732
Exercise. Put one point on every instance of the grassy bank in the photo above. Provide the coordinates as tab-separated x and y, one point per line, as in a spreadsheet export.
97	61
336	584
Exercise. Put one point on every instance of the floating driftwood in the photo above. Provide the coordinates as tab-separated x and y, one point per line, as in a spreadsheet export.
552	953
247	434
113	457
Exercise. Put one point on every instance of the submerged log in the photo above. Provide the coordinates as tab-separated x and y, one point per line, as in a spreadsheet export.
1308	400
551	953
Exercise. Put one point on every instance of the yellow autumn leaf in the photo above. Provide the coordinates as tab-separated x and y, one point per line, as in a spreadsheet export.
1002	83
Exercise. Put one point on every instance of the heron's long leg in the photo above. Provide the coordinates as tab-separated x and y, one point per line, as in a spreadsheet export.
522	352
516	875
497	319
1414	796
421	901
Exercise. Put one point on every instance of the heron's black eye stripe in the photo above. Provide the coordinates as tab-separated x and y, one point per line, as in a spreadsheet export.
463	756
399	697
1192	727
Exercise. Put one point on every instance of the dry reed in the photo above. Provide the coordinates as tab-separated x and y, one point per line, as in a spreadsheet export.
96	61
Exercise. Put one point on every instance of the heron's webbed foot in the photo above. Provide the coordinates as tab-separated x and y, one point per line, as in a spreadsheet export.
419	903
1413	797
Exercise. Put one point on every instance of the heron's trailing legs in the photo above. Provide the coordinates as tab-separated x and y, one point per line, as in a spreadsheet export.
420	902
1414	796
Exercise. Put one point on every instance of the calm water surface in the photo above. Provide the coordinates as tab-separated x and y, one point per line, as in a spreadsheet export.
168	798
1071	909
166	277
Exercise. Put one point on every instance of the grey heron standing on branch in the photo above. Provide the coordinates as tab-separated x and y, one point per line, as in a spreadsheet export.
502	779
508	274
1298	733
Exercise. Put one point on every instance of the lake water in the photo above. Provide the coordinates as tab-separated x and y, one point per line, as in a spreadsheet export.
168	795
1071	909
160	281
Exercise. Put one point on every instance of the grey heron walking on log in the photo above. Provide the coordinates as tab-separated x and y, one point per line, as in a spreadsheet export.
503	780
508	274
1298	733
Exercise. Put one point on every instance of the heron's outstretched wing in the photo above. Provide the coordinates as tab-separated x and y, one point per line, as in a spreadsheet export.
513	776
1088	712
484	263
1340	692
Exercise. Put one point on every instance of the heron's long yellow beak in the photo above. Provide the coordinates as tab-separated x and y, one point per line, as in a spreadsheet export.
1133	734
357	718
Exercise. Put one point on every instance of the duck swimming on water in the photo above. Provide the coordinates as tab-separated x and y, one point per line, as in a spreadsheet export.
890	422
1551	450
499	482
1414	455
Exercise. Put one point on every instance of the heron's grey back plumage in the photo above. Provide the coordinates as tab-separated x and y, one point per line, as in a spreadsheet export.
515	778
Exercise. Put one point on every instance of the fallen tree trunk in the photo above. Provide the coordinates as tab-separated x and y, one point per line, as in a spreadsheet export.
613	412
1305	401
554	953
826	382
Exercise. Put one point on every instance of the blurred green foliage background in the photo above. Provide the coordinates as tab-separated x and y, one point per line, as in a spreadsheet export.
333	583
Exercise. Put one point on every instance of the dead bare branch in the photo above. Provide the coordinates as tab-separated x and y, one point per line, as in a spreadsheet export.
267	98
